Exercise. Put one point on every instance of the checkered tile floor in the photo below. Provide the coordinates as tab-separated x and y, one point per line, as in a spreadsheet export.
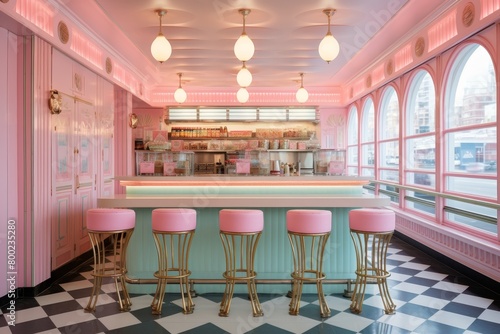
430	298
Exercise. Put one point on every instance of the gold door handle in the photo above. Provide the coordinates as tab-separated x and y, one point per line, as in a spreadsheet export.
77	183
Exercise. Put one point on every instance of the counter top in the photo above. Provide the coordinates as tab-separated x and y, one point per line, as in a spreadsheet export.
233	180
240	201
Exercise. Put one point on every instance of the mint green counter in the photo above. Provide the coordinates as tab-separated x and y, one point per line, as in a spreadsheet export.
273	195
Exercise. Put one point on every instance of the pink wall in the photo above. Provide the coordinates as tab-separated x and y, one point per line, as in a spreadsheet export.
12	226
333	123
123	136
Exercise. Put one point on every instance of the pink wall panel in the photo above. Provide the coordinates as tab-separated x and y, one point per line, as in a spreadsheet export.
123	136
333	128
4	188
42	203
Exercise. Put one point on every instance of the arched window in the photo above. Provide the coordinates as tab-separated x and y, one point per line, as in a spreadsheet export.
368	138
419	142
470	121
388	123
352	142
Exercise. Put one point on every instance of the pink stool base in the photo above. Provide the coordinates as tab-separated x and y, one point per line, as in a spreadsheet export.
102	219
372	220
309	221
173	220
241	221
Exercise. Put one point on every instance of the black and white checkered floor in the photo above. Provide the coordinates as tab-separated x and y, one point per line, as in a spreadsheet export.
430	298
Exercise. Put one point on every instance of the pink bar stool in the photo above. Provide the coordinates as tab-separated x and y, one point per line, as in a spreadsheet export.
308	232
101	224
371	232
240	231
173	229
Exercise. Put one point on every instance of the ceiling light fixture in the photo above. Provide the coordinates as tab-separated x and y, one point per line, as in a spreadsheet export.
242	95
244	48
302	95
329	47
244	77
180	95
161	48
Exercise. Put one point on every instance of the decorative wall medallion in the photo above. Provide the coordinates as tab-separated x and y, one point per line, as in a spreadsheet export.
63	32
389	67
109	65
335	120
368	81
78	82
468	14
419	46
55	102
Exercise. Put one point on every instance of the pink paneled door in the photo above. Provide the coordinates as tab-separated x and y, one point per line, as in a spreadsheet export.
63	183
74	177
86	171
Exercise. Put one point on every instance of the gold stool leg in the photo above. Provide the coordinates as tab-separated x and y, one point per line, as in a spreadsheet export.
380	246
116	269
239	251
374	268
173	254
308	264
97	251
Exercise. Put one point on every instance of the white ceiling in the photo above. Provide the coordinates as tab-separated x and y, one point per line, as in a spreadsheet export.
286	34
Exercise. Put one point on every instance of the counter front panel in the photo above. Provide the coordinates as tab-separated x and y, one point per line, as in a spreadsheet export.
273	195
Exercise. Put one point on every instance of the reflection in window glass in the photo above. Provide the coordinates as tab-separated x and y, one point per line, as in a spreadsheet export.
352	131
367	172
471	132
352	153
421	104
472	186
479	221
389	154
472	89
421	179
420	153
472	151
368	122
368	154
389	115
421	202
390	175
352	142
352	171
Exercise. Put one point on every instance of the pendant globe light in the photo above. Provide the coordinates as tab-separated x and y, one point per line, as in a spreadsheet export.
161	48
244	48
242	95
302	95
180	95
329	47
244	77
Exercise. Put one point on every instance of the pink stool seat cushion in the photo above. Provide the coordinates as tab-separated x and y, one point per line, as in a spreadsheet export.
103	219
241	221
372	220
173	220
309	221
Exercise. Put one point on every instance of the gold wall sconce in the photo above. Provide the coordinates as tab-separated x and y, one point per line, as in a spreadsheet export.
133	120
55	102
